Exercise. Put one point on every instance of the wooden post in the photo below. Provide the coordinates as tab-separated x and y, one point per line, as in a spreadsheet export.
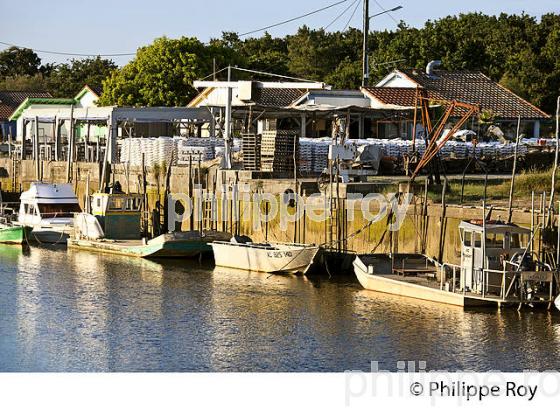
10	143
555	167
558	238
23	137
86	196
442	224
37	151
55	138
511	187
191	194
103	179
70	153
144	197
531	243
425	217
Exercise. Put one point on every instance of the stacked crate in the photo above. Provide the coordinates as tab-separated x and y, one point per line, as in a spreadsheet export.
251	152
277	150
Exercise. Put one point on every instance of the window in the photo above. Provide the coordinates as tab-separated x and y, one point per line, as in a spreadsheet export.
116	204
467	238
494	240
477	242
519	240
59	210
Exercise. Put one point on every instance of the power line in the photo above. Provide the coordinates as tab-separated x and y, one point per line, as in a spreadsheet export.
63	53
340	15
384	9
69	54
293	19
351	16
274	75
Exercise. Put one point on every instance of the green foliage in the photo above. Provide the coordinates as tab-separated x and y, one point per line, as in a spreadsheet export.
517	50
18	62
36	82
160	74
66	80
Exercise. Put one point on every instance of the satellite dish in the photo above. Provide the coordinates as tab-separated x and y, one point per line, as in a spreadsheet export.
557	302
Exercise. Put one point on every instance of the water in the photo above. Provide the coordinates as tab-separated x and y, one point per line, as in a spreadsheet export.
79	311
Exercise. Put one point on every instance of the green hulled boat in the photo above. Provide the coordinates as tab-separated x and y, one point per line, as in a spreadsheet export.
15	234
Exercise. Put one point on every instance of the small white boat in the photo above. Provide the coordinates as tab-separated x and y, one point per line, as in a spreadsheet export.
497	269
49	209
264	257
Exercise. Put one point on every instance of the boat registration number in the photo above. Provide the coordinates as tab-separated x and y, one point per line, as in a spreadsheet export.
279	254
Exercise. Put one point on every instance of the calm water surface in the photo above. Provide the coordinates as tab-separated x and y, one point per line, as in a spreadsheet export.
79	311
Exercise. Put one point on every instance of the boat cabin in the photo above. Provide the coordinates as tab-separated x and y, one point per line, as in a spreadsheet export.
487	246
119	214
53	203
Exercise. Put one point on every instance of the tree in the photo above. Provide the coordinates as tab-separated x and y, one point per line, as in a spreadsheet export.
66	80
36	82
161	74
18	62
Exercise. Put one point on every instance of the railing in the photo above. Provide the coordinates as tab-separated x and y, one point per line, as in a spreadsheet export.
443	274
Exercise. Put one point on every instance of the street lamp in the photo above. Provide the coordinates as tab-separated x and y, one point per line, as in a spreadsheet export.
386	11
367	18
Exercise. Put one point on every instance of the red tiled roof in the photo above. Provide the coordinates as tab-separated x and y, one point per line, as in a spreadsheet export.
401	96
10	100
475	88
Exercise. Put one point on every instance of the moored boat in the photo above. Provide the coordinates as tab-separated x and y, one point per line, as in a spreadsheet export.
496	269
49	210
115	227
10	231
14	234
264	257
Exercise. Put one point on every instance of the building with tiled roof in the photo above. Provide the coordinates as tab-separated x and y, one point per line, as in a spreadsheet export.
9	102
398	89
251	93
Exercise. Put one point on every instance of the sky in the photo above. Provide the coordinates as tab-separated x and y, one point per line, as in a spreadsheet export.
121	26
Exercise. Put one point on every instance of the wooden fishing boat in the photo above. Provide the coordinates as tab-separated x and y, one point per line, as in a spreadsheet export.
14	234
496	269
10	231
169	245
115	227
264	257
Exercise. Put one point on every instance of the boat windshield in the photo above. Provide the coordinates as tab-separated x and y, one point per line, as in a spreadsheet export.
59	210
519	240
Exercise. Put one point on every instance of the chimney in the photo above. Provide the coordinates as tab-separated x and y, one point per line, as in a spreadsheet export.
430	67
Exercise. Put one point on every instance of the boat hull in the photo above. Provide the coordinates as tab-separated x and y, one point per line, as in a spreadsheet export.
163	249
43	234
14	234
380	283
280	259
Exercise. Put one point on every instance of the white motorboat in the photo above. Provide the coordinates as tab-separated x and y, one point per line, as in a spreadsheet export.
264	257
49	209
497	269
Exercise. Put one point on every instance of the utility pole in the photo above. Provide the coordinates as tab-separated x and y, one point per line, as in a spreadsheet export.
365	59
365	63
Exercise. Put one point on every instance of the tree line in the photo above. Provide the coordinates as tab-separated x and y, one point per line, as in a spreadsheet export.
519	51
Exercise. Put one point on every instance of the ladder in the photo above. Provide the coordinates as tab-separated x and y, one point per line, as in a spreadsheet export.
15	173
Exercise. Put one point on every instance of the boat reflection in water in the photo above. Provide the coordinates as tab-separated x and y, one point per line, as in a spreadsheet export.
80	311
